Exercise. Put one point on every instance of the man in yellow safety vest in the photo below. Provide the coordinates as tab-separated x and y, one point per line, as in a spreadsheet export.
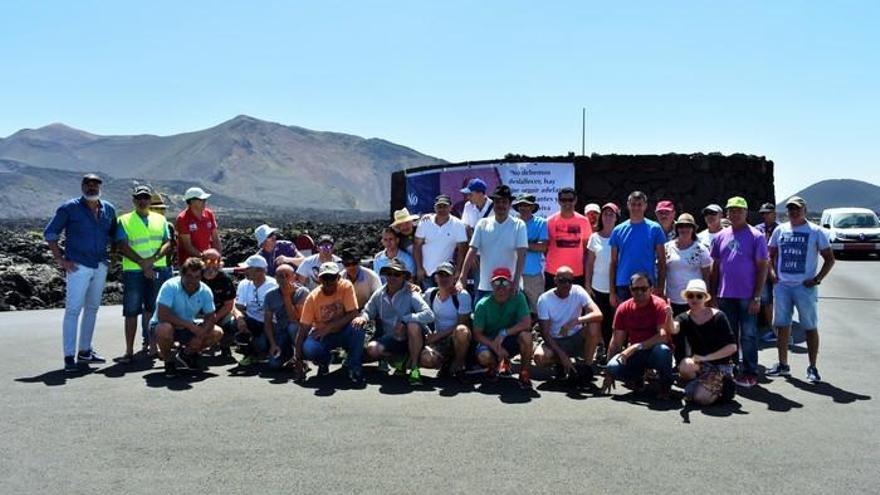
143	239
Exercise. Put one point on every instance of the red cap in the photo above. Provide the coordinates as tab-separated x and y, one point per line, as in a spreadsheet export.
613	207
665	205
502	272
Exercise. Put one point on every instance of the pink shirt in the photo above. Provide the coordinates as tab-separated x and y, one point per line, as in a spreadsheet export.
567	242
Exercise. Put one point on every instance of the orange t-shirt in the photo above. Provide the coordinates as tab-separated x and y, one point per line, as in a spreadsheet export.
566	244
321	308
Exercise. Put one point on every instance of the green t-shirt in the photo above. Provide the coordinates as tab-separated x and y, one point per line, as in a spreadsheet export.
491	317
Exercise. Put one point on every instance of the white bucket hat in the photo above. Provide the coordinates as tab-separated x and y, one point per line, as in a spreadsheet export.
262	233
696	285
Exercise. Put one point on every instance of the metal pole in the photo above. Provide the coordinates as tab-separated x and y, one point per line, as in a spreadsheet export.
583	131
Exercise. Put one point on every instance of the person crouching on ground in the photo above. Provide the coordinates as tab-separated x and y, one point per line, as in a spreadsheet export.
181	300
708	371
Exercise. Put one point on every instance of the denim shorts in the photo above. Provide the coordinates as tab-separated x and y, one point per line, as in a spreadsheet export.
139	292
788	297
393	346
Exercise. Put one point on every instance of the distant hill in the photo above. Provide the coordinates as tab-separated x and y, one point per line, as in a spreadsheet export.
836	193
246	161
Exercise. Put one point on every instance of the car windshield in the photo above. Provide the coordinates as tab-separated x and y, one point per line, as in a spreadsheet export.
856	221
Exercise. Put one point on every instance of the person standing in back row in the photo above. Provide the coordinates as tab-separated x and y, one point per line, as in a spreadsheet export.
738	273
196	227
568	233
637	246
795	249
89	226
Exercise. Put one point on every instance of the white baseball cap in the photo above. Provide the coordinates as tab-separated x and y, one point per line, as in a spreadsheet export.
255	261
195	193
262	233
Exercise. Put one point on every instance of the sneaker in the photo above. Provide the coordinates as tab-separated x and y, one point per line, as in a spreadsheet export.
323	369
124	359
356	377
90	356
504	368
70	365
415	377
170	368
180	362
383	366
746	381
248	360
813	375
779	369
558	373
525	381
398	367
768	337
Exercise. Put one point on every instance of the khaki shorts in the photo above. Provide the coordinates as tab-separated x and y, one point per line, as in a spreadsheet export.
533	286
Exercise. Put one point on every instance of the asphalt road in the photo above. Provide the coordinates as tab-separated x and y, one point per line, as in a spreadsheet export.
134	431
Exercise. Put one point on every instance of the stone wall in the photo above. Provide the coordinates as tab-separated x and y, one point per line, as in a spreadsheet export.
691	181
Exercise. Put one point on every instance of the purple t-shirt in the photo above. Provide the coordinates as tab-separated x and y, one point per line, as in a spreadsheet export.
282	248
737	251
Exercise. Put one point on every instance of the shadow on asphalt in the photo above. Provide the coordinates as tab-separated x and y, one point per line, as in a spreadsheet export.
823	388
722	410
117	370
58	377
183	380
775	402
797	336
648	399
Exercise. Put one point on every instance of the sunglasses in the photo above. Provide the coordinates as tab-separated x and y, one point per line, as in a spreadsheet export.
638	289
564	280
142	198
394	274
699	296
325	247
212	262
329	278
501	282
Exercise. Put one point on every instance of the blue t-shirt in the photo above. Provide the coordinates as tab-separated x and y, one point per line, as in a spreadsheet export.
636	245
798	256
185	306
536	230
383	260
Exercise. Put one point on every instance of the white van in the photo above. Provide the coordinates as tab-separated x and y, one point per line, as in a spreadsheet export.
852	230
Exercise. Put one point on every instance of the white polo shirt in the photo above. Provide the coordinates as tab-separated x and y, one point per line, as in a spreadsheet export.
440	241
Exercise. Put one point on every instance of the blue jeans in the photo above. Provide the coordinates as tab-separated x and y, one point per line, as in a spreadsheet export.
284	338
349	338
84	289
745	329
658	358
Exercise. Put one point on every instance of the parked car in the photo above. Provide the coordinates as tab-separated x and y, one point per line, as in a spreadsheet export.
852	230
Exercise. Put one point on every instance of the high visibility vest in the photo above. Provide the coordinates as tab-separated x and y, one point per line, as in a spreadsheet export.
143	239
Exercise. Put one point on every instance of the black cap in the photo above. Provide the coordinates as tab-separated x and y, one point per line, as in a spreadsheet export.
142	191
395	265
325	238
767	208
348	257
90	177
502	191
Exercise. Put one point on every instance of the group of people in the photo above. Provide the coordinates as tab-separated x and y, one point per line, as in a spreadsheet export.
575	293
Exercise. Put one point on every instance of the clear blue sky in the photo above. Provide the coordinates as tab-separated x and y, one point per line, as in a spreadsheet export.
798	82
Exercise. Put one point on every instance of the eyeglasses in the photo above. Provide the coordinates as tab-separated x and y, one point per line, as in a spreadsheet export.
699	296
639	289
325	247
500	282
564	280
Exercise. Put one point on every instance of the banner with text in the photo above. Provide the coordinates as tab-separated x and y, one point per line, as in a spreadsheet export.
542	179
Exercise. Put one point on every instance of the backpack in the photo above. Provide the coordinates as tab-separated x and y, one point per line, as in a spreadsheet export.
431	294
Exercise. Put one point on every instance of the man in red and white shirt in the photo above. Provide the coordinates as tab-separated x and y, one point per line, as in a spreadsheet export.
196	227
